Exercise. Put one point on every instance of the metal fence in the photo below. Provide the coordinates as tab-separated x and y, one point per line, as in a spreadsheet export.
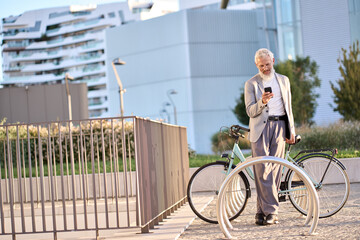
94	174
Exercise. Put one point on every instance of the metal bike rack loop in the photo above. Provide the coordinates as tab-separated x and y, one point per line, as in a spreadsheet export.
313	211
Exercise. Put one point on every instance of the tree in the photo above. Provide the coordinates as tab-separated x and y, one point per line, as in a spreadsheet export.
348	94
240	109
302	74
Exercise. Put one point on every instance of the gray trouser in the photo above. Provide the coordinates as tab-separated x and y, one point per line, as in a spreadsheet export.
268	175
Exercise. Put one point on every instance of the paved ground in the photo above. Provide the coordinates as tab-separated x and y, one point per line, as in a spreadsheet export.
343	225
183	225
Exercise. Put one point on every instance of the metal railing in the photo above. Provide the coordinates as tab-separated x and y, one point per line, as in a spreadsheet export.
89	175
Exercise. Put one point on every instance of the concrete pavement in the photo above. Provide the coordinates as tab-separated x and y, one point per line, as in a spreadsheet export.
182	224
343	225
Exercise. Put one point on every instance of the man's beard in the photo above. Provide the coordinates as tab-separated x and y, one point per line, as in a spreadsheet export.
267	77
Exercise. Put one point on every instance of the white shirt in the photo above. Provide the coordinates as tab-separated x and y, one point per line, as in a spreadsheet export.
276	104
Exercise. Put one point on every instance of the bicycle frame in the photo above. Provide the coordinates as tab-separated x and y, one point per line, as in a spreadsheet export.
236	152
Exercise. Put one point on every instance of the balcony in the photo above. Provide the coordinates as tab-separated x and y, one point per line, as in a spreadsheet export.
97	103
15	45
12	68
64	41
97	93
93	46
88	71
27	56
95	23
32	79
95	81
103	106
77	61
22	35
65	18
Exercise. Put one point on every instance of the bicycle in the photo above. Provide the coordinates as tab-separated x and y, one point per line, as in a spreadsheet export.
326	172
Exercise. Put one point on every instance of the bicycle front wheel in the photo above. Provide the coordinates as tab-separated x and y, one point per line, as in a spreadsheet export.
203	190
330	180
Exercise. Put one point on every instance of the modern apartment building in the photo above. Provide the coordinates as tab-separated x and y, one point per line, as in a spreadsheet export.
206	55
40	46
193	53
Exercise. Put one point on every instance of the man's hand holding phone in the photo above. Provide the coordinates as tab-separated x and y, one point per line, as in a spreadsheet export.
267	95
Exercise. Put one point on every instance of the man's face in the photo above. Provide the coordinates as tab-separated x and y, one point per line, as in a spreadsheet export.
265	64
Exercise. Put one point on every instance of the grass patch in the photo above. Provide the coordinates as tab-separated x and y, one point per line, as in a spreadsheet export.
199	160
348	153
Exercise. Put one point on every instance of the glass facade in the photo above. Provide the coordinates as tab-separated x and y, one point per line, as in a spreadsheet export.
354	19
289	29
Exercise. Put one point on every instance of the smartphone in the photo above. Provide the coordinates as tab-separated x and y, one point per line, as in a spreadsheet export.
268	89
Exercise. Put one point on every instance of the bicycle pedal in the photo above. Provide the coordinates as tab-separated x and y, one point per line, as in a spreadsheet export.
283	186
282	198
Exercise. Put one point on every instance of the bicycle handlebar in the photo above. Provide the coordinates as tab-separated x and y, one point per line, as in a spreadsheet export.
235	131
237	128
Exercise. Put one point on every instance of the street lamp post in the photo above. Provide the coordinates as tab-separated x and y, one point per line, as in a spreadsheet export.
68	77
118	61
171	92
167	113
166	104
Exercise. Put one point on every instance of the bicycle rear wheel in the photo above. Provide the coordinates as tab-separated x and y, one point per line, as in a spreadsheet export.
330	180
203	190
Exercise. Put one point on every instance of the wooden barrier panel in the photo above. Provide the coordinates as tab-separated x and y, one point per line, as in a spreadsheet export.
162	160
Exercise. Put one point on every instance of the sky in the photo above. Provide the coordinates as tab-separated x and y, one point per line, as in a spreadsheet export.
16	7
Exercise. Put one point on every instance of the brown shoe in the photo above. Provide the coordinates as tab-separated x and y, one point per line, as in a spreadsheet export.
260	219
271	219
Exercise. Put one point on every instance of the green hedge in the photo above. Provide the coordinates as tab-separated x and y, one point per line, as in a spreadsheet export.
341	135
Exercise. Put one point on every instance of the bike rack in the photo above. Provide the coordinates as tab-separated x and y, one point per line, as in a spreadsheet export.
313	210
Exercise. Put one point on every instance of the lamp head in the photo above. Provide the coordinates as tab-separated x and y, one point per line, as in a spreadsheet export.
67	76
172	91
118	61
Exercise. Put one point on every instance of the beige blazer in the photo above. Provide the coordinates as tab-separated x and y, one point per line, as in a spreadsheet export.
259	112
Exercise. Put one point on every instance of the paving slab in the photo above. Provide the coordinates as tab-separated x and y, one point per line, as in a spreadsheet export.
343	225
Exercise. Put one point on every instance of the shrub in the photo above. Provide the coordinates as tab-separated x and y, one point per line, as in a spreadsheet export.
341	135
222	142
21	130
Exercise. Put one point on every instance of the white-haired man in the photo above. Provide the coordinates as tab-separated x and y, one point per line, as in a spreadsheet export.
268	104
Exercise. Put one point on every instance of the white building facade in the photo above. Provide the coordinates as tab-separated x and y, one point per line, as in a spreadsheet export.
318	29
204	66
41	46
198	54
203	55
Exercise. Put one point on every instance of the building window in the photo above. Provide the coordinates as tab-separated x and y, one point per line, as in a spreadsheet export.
122	18
111	15
354	20
289	29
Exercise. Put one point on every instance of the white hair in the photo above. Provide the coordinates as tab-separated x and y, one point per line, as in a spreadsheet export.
263	52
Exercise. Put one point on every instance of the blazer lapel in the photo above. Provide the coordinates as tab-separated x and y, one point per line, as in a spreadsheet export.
260	84
283	92
282	87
